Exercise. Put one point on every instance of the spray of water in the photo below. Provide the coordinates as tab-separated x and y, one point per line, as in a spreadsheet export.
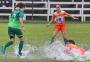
51	51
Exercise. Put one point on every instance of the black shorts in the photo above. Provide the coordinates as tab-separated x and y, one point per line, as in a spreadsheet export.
14	31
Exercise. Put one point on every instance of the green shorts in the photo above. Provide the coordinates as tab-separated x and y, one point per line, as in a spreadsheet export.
14	31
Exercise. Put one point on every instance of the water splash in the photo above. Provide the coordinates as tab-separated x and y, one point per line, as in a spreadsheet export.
52	51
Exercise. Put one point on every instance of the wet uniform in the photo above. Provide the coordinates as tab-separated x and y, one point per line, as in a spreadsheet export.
14	27
60	22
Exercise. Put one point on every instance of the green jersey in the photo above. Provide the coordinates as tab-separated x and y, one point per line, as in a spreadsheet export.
14	21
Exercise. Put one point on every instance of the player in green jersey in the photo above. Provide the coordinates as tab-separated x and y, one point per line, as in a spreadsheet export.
16	27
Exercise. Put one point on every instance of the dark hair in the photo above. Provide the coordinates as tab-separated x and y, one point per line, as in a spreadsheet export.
20	5
71	41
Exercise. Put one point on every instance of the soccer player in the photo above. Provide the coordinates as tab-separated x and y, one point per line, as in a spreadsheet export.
74	50
16	27
59	18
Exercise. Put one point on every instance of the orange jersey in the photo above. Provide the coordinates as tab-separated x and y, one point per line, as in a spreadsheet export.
59	17
76	49
60	21
81	50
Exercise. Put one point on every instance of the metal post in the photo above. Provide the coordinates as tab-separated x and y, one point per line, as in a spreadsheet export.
82	18
48	11
13	1
32	10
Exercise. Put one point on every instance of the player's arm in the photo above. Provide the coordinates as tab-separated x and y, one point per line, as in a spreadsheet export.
22	24
52	19
21	16
67	14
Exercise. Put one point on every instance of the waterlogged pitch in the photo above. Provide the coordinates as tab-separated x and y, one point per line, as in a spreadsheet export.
37	36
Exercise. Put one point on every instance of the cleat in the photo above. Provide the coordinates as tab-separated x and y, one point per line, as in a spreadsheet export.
3	50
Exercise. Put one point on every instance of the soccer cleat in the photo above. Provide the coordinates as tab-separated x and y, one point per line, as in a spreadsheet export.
20	54
51	42
3	50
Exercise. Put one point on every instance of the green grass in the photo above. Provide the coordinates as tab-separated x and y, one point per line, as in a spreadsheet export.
39	34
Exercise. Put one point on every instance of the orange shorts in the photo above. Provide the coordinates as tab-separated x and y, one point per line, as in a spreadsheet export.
60	27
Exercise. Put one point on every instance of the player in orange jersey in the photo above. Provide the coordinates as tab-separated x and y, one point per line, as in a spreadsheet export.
59	18
73	49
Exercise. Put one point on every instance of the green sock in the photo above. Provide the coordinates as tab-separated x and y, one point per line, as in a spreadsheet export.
52	40
21	46
8	44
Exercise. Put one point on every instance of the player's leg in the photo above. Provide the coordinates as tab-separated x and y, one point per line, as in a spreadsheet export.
54	33
12	39
20	36
21	45
64	37
64	34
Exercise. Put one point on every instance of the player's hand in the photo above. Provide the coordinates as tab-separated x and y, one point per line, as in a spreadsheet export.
23	29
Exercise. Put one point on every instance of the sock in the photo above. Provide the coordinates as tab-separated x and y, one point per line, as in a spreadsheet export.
20	47
8	44
52	40
65	41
